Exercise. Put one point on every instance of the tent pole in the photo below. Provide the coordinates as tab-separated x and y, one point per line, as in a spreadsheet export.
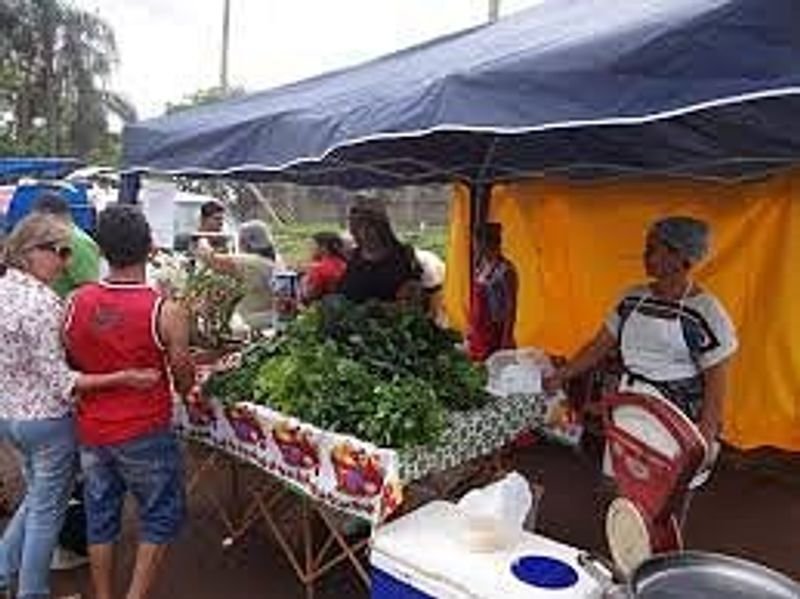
129	186
494	10
480	194
479	197
226	28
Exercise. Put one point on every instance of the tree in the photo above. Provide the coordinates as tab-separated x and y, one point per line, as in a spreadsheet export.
243	199
55	63
201	97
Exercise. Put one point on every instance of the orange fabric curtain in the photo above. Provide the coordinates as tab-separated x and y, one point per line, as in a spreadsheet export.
577	246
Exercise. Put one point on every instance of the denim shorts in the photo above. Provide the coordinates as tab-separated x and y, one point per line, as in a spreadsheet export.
151	468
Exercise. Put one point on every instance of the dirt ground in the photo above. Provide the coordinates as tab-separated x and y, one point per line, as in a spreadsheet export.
750	508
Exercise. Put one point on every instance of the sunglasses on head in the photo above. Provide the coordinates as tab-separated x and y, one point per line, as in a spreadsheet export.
62	251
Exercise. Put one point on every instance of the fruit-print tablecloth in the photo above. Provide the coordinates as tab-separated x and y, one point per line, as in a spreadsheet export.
344	472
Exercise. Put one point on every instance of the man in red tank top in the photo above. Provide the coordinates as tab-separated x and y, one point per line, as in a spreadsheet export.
125	434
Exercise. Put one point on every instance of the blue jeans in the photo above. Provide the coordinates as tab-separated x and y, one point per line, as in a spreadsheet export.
48	465
151	468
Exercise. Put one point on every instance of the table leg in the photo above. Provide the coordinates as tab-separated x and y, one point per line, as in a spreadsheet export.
348	551
236	489
308	547
280	537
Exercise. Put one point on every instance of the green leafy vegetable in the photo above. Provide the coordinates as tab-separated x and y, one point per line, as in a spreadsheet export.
381	372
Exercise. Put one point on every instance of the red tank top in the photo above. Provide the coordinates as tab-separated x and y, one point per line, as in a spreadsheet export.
113	327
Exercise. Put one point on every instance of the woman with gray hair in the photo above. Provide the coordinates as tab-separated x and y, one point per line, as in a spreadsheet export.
37	390
253	265
674	337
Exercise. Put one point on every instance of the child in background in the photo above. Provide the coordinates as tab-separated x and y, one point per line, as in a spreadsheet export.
328	264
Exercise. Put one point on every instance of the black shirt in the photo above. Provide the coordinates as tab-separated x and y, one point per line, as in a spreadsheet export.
365	280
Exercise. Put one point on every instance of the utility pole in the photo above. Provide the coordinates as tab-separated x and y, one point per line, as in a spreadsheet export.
226	25
494	10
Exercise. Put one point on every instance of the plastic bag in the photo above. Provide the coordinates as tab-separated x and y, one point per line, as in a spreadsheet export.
494	515
517	371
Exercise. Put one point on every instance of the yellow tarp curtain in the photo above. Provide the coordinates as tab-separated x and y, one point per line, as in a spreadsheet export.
577	246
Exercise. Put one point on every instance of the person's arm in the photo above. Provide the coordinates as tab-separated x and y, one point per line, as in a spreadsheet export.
173	328
715	365
716	386
588	357
410	293
138	378
48	349
78	382
223	263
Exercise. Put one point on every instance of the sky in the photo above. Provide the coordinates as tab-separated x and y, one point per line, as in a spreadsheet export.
171	48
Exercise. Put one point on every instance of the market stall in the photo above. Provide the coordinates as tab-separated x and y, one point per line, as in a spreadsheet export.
348	410
672	103
681	89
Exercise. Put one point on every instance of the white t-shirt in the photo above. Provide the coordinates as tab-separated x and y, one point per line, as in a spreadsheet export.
433	269
704	337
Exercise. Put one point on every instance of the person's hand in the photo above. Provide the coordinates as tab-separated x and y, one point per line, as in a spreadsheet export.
140	378
554	381
712	451
204	251
710	433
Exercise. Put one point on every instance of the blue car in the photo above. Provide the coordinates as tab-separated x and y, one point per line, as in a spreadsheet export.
46	173
75	193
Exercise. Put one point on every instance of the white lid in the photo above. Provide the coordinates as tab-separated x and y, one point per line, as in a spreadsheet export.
627	534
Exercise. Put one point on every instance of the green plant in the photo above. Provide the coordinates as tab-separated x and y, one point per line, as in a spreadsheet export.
382	372
211	297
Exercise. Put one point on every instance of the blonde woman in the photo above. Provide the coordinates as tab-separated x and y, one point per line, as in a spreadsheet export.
36	396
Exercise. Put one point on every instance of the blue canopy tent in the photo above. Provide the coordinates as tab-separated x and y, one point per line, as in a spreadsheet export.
705	88
577	88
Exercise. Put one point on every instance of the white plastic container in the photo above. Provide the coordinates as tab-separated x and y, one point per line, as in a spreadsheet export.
517	371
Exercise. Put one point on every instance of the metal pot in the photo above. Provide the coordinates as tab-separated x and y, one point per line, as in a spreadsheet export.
692	575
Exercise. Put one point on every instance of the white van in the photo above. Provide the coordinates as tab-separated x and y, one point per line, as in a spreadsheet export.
174	215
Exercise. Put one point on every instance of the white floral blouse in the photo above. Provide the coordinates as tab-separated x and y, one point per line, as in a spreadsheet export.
35	381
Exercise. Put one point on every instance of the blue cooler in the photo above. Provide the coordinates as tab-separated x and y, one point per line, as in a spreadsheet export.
76	194
422	556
